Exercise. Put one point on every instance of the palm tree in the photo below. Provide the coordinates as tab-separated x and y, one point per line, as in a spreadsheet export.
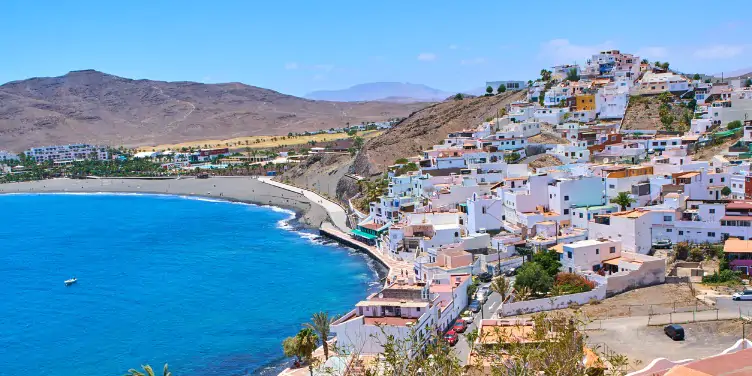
306	345
523	293
623	200
320	323
501	285
149	371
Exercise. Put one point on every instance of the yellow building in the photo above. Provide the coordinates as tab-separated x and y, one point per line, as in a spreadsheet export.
585	102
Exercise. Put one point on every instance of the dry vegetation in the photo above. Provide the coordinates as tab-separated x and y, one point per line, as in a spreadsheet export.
544	160
643	112
257	142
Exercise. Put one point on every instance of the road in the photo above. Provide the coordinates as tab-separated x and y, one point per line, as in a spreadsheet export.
462	348
336	213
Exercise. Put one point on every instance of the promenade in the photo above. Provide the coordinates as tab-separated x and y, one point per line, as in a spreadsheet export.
337	214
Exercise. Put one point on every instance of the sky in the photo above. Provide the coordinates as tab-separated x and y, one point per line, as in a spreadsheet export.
296	47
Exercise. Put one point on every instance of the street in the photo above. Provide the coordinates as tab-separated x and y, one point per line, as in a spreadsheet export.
462	348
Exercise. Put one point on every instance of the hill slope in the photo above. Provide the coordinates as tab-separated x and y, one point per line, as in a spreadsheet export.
387	91
91	106
426	128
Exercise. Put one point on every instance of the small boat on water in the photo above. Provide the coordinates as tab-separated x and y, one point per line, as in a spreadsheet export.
71	281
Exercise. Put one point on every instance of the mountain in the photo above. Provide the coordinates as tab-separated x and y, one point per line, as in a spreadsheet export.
744	72
95	107
386	91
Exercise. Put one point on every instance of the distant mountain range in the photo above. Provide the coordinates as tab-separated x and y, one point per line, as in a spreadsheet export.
402	92
95	107
744	72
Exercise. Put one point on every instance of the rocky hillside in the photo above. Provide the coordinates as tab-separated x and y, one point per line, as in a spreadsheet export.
643	112
91	106
425	128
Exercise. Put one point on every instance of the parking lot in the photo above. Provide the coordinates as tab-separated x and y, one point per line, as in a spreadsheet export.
644	343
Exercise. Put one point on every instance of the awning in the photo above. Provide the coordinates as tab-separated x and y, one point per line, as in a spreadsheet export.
613	261
363	234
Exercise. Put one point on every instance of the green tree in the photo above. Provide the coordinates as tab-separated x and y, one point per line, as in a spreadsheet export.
665	65
623	200
696	77
572	75
748	83
692	104
545	75
502	88
644	61
401	161
291	347
358	142
320	324
511	157
532	275
734	124
307	340
459	97
489	90
501	285
667	120
726	191
148	371
549	261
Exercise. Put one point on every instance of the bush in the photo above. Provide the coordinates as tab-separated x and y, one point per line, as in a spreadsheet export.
532	276
401	161
696	255
571	283
734	124
682	250
727	277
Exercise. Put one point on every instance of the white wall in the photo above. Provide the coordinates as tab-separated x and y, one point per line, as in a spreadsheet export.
547	304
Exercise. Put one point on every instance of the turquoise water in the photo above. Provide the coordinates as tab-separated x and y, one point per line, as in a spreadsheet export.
211	288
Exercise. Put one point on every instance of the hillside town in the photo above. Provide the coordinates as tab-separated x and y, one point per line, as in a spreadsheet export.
613	213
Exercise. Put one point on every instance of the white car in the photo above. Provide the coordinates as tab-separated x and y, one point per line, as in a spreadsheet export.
468	317
743	295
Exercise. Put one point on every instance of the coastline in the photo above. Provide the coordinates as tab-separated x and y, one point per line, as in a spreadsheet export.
311	211
234	189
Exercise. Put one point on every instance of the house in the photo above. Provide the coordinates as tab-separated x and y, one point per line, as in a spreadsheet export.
656	83
6	156
585	102
611	102
509	84
551	115
402	310
634	228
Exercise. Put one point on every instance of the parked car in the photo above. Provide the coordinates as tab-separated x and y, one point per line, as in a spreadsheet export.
742	295
485	277
468	317
481	296
510	272
474	306
674	331
459	326
451	337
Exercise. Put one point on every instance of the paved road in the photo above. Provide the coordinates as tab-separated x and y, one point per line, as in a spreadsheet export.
462	348
336	213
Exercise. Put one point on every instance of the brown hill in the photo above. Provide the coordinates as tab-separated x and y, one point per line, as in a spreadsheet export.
427	127
90	106
643	112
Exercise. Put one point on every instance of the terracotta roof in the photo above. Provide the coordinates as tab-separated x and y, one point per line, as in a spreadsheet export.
734	245
739	205
738	364
736	218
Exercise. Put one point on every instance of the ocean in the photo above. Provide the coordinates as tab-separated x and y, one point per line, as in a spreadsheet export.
210	287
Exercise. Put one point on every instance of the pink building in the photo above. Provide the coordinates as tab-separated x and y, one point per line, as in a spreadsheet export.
739	254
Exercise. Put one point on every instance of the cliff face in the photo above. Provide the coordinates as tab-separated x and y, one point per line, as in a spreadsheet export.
425	128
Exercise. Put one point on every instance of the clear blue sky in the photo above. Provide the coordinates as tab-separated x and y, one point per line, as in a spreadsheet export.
299	46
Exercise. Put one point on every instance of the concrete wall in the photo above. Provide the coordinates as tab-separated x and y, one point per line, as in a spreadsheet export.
547	304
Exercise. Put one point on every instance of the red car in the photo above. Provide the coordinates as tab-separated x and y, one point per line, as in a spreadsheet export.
459	326
451	337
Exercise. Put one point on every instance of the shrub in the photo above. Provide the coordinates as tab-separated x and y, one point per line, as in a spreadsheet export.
682	250
734	124
728	277
571	283
696	255
401	161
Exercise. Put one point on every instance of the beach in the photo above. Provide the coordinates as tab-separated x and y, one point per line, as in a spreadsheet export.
241	189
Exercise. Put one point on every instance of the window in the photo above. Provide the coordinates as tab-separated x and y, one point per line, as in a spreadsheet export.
711	211
566	198
666	218
612	250
569	254
723	180
456	234
711	181
580	215
711	234
669	230
597	251
611	186
550	196
681	232
566	211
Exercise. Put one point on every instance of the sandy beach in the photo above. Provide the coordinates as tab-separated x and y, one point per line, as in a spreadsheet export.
241	189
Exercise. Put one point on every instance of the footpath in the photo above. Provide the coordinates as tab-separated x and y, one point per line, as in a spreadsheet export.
337	214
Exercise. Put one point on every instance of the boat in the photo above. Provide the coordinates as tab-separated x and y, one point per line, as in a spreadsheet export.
71	281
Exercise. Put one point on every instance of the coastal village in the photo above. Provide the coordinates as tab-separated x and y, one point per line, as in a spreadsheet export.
551	206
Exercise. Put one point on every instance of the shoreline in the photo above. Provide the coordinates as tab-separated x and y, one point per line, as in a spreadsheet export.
232	189
308	213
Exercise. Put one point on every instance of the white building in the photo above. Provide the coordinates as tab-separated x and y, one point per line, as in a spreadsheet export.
62	153
552	115
656	83
611	102
509	84
6	156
